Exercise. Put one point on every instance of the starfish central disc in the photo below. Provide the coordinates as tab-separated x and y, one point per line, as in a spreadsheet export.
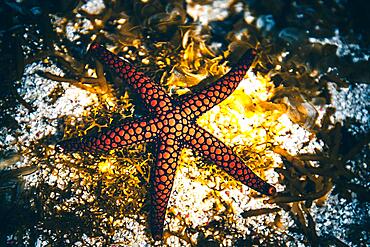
172	125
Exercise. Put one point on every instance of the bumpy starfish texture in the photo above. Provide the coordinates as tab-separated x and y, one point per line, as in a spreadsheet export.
172	125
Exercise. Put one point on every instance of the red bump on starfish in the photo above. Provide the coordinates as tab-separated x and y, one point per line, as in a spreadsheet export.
172	125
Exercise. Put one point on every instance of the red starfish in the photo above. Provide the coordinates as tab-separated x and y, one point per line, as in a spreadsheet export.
172	124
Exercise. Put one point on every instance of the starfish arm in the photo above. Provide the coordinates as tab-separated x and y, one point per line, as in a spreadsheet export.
133	132
204	143
162	181
198	103
155	97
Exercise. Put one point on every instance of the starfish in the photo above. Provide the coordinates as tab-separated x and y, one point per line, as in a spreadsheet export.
172	125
